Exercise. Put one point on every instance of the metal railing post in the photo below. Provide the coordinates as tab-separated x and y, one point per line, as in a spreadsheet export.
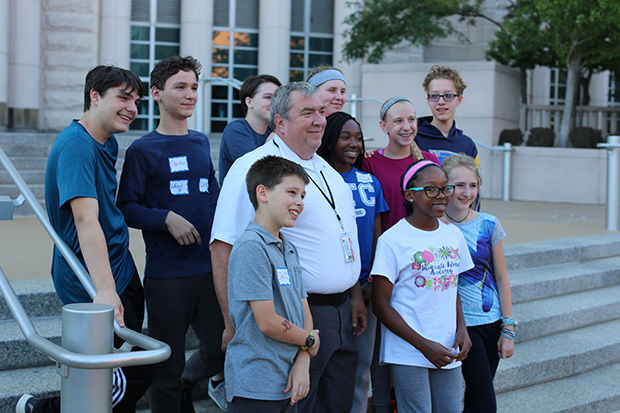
506	175
87	329
611	221
353	105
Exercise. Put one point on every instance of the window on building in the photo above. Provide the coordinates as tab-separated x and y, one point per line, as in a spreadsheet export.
312	36
235	54
155	35
557	86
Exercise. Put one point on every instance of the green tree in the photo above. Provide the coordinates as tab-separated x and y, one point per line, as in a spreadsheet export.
379	25
579	36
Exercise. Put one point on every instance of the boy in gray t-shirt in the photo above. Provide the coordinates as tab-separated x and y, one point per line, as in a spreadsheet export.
268	359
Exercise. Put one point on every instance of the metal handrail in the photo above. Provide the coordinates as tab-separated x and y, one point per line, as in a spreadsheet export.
154	350
224	81
158	352
613	163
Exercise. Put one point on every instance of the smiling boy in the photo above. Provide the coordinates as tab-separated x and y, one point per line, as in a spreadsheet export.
438	134
169	191
80	183
274	338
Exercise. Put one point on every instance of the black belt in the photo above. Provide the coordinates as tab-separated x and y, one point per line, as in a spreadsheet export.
327	299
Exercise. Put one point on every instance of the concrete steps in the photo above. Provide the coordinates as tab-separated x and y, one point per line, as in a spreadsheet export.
568	345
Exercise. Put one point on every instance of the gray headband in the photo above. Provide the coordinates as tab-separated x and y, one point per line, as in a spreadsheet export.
390	102
325	76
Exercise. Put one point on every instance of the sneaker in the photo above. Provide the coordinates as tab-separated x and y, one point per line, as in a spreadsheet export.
25	404
218	394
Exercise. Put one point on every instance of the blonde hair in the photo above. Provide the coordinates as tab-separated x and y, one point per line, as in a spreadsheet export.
444	72
385	108
461	160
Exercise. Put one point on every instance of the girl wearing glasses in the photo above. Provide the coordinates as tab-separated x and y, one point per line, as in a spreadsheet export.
415	271
484	290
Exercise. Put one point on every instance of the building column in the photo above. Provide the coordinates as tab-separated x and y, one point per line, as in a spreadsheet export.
352	70
115	33
24	63
274	38
196	37
4	61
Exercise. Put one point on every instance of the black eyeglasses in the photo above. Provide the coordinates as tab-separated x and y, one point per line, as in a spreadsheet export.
447	97
433	191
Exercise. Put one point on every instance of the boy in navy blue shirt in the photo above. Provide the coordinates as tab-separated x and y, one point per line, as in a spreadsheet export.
274	338
168	190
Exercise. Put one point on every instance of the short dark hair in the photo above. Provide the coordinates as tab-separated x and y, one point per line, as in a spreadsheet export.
102	77
269	171
334	125
249	86
170	67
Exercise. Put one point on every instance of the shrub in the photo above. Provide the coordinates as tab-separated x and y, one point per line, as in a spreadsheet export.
585	137
513	136
541	137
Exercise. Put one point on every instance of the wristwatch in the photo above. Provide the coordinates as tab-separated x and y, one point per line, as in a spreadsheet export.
309	341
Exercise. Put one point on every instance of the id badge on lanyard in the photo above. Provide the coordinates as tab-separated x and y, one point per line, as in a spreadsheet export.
347	247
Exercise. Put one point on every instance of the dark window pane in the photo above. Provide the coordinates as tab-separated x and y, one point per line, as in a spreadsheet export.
219	92
139	51
218	126
219	71
221	38
219	55
141	69
245	39
237	111
235	94
144	106
297	60
140	33
320	44
297	75
246	57
315	60
242	72
139	124
167	35
297	42
164	52
218	110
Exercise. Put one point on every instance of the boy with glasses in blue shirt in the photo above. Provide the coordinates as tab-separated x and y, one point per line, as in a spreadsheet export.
438	134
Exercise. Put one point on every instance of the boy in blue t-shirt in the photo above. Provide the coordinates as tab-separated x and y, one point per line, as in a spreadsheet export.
274	338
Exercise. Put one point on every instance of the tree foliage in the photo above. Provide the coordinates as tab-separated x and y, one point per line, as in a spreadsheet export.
379	25
581	37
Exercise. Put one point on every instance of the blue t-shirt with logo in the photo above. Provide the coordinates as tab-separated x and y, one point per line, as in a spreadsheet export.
79	166
369	202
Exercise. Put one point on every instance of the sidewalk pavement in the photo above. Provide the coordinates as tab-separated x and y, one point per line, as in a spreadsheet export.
26	250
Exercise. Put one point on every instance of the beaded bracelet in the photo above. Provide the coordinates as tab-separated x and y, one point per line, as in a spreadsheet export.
509	321
509	334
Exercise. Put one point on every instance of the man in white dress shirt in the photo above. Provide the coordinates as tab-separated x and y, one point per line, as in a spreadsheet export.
325	235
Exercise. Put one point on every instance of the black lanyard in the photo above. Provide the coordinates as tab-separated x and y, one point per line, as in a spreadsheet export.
329	200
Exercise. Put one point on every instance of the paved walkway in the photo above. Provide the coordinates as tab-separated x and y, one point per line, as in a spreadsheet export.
25	248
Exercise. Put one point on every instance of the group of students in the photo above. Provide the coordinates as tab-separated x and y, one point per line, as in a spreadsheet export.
310	237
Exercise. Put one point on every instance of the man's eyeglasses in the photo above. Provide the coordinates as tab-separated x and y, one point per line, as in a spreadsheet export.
447	97
433	191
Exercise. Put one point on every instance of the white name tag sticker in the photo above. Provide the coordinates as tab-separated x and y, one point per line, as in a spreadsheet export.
363	178
178	164
203	185
179	187
283	277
